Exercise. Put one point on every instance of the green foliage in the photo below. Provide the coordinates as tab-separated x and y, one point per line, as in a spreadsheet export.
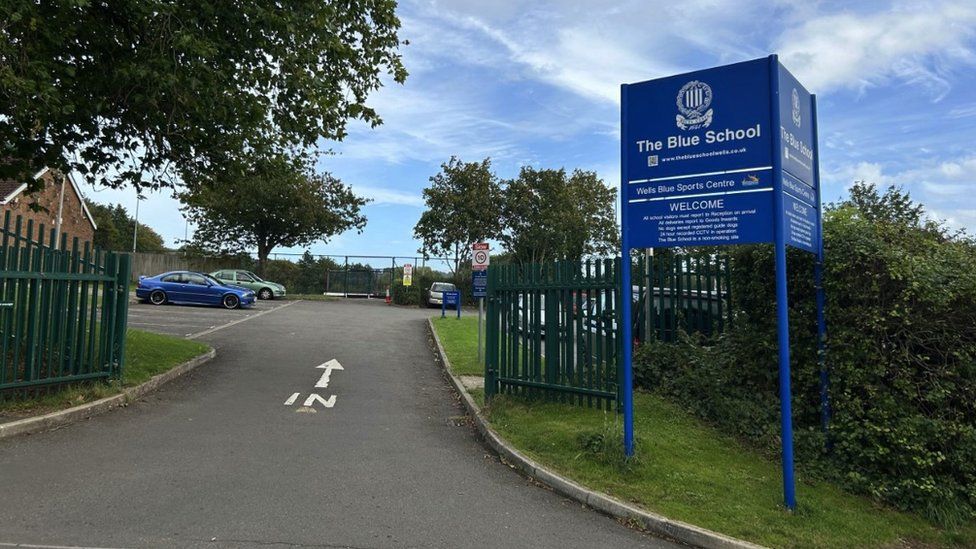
901	315
124	92
459	336
423	277
542	215
408	295
273	201
115	229
548	216
283	272
687	470
146	355
463	202
312	273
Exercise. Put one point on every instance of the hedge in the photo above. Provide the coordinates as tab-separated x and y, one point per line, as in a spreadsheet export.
901	314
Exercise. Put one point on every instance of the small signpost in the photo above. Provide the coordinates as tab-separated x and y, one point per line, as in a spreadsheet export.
452	299
726	155
407	274
479	284
480	257
479	290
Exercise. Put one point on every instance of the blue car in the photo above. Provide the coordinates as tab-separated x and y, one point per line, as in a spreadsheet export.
192	288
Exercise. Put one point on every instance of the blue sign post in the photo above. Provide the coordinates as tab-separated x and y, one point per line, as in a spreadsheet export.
479	284
450	299
479	290
726	155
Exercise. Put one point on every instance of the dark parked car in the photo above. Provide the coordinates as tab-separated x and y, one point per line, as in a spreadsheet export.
192	288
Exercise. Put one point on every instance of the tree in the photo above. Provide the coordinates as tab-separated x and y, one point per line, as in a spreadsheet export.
276	201
128	91
313	273
462	208
115	229
548	216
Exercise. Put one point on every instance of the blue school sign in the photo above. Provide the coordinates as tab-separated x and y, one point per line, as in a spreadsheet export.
726	155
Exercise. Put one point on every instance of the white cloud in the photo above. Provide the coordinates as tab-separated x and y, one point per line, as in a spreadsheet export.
906	43
590	47
943	187
382	195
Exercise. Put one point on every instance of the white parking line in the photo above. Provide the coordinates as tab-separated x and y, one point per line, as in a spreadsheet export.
188	310
238	321
158	325
36	546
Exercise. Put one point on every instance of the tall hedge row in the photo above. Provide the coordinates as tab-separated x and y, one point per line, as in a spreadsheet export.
901	313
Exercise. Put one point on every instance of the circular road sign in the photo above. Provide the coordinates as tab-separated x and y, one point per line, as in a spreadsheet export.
479	260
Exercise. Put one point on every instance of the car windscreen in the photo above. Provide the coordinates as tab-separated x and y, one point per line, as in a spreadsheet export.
442	287
213	280
255	277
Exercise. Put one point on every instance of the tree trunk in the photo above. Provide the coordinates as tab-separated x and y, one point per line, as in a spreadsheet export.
264	249
457	265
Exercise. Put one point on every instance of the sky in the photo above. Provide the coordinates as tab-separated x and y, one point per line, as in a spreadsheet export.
537	84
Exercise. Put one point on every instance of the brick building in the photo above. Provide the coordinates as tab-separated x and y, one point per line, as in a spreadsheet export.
76	220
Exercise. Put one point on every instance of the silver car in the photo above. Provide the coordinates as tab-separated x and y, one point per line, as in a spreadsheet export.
435	296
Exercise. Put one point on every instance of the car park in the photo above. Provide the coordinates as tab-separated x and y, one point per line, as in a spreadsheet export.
264	289
187	287
435	295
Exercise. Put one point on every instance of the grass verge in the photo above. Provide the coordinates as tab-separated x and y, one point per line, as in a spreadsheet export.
459	336
688	471
146	355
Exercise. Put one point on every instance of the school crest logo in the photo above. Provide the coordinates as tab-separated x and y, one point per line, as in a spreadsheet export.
796	108
694	100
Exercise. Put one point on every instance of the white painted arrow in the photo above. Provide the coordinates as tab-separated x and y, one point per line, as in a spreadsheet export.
327	403
328	367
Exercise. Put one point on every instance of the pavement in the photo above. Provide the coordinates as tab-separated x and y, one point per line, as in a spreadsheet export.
239	453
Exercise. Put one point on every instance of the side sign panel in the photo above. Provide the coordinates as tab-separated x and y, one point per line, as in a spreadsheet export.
796	126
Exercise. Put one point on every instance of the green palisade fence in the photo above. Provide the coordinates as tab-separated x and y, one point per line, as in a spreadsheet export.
675	292
552	329
62	310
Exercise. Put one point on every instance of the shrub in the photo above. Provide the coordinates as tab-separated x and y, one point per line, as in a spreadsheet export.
408	295
901	318
283	272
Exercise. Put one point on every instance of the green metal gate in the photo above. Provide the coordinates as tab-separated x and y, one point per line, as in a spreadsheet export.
359	282
62	310
552	331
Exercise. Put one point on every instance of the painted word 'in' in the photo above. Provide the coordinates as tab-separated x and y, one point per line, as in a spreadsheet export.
311	400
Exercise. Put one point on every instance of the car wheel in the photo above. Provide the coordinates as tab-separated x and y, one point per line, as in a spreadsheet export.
158	297
231	301
265	293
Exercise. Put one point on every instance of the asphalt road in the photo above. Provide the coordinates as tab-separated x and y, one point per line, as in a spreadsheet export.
191	320
218	459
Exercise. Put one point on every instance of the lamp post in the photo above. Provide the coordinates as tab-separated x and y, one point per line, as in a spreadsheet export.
135	230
